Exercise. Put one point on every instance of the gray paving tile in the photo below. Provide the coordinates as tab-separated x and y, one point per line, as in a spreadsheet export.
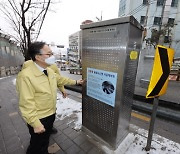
3	111
2	145
95	150
58	123
51	141
86	146
17	151
12	144
82	152
9	134
60	152
73	135
25	144
57	134
68	130
17	121
62	127
24	138
6	124
10	108
74	149
66	144
3	151
59	139
80	139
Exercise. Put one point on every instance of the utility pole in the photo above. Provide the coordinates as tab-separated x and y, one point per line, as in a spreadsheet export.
164	18
146	19
175	28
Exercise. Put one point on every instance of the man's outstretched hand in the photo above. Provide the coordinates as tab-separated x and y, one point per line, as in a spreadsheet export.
64	94
80	82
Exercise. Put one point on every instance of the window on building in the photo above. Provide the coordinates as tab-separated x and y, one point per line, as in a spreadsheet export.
12	52
160	2
7	49
142	20
174	3
122	7
145	2
171	21
157	21
3	50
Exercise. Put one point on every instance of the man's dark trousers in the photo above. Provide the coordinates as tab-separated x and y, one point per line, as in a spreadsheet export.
39	142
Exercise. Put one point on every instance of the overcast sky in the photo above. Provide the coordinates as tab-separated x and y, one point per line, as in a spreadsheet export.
71	13
68	16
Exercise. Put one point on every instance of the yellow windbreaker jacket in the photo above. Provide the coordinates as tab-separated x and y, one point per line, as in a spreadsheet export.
53	67
38	93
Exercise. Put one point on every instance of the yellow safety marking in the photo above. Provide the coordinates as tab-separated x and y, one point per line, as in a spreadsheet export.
136	115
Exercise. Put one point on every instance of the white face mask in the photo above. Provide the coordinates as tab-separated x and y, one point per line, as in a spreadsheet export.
51	60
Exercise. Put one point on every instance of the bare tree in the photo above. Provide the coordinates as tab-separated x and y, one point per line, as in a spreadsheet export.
26	17
166	33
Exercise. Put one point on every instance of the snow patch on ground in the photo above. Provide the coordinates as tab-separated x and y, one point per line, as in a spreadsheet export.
67	107
4	77
164	147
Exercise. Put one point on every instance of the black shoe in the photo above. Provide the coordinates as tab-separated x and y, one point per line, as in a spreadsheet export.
54	131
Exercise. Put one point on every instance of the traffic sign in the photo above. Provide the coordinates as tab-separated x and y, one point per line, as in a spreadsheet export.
160	73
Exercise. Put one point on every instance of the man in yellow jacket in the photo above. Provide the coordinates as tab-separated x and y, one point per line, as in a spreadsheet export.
61	88
37	88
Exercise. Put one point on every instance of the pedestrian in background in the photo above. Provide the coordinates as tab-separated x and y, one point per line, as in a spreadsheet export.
37	88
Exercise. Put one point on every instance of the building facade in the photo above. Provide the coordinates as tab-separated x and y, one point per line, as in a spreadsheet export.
74	51
11	59
153	15
158	13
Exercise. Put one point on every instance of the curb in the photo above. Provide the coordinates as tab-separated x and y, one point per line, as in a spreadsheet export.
162	112
163	103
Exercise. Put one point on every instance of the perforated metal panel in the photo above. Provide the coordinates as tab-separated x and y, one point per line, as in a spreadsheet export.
107	46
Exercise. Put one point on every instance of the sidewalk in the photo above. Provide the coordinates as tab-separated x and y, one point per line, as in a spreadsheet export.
70	139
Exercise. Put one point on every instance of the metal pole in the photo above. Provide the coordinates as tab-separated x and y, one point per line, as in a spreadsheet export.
151	127
145	22
161	38
146	17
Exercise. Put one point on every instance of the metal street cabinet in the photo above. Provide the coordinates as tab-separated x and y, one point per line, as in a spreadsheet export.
110	52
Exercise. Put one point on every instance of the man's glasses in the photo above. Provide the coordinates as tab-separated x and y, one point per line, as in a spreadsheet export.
49	54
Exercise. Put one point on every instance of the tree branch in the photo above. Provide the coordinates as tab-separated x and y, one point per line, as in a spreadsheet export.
25	10
43	18
14	7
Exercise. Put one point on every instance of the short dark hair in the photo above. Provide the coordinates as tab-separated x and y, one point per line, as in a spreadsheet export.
35	48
